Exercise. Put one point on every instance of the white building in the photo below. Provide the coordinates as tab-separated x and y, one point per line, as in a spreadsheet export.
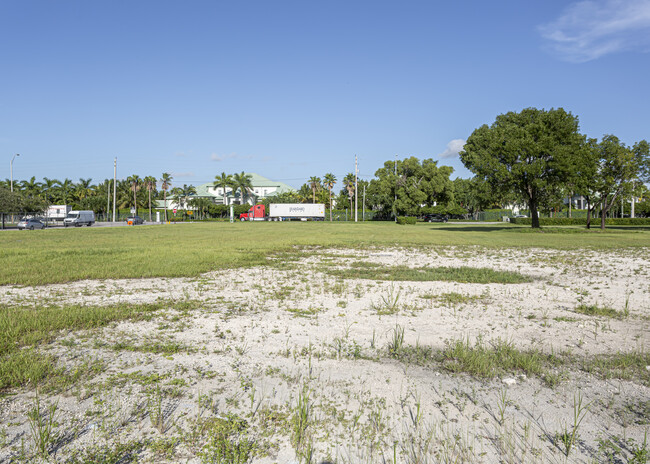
261	188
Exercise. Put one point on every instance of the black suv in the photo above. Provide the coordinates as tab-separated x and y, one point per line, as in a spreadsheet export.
435	218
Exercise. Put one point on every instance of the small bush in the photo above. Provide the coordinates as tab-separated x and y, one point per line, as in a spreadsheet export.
404	220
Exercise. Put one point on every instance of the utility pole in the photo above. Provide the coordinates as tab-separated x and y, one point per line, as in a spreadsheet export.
114	186
11	168
356	189
395	202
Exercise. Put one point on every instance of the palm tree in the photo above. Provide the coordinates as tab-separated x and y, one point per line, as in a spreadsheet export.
135	183
65	191
82	189
150	184
348	184
49	188
243	182
329	180
30	187
185	192
314	184
166	183
224	181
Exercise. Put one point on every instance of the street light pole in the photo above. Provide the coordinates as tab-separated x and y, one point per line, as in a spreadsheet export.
11	168
114	185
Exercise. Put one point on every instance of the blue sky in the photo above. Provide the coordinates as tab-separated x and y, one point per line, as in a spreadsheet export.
293	89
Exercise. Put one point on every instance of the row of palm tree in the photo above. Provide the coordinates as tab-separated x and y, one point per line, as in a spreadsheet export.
85	194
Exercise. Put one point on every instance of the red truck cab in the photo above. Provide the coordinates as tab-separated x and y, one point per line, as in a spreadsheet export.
255	213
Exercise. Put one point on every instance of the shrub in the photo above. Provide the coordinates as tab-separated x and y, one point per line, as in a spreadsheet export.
583	221
404	220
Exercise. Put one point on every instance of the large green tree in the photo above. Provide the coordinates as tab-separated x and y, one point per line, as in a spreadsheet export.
618	168
403	187
525	152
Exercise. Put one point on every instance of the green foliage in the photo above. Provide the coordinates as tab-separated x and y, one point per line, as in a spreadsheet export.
404	220
416	183
528	153
227	442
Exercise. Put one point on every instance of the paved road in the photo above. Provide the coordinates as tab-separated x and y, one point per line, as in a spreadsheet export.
97	224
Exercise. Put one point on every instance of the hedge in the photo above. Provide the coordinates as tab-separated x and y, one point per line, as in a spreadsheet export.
595	221
403	220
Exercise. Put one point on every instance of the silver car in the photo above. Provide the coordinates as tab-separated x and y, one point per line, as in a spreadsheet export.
30	223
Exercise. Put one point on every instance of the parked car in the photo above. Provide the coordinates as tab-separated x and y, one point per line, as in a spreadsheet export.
521	216
435	218
134	220
30	223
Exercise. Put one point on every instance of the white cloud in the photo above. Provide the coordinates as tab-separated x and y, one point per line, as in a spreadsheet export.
216	157
590	29
453	148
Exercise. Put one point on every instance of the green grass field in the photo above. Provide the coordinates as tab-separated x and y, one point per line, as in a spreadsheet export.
54	256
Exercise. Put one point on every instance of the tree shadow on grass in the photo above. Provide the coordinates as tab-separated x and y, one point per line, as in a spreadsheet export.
477	228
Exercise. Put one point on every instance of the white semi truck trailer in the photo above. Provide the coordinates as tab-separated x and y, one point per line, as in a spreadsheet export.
285	212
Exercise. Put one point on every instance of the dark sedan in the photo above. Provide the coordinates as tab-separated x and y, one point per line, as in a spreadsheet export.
134	220
435	218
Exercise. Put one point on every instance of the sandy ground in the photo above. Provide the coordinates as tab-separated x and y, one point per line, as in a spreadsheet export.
255	340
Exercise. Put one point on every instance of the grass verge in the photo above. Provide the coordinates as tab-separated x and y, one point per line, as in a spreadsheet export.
193	249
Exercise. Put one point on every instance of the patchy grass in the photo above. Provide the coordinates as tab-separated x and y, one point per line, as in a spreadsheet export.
23	330
595	310
626	366
487	360
462	274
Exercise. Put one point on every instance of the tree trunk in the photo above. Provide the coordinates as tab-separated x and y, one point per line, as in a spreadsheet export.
603	212
588	214
330	205
165	204
533	214
149	205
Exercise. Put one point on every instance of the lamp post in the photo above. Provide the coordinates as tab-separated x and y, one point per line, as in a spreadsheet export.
11	168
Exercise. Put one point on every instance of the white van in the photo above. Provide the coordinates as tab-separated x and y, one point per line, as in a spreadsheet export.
79	218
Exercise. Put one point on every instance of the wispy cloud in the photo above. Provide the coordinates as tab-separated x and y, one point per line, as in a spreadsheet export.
453	148
180	154
217	157
590	29
182	174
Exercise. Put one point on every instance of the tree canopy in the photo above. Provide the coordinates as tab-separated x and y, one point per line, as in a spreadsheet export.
527	152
